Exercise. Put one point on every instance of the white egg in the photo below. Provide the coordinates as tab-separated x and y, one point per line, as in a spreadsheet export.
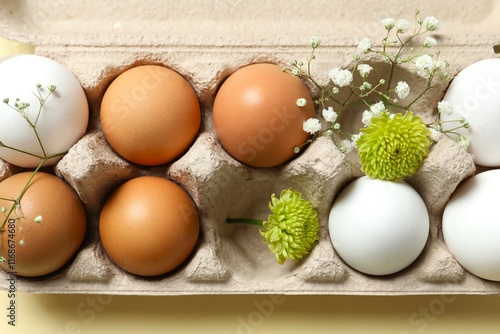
378	227
475	95
471	225
62	121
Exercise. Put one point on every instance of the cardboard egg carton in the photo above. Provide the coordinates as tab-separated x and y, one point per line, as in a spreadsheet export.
206	42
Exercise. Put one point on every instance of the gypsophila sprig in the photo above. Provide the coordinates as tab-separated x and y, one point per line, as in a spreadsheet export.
292	228
405	45
42	94
445	108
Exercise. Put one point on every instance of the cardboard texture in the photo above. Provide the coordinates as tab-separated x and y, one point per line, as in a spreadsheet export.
206	42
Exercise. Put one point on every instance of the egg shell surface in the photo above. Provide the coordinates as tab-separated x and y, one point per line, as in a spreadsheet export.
63	119
256	116
378	227
150	115
471	225
474	94
50	244
149	226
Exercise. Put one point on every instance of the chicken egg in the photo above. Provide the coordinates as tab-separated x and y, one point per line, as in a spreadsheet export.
471	225
378	227
149	226
256	116
473	95
150	115
47	229
61	119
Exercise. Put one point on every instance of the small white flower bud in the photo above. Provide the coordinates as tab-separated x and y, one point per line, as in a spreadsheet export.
429	41
301	102
431	23
315	41
388	23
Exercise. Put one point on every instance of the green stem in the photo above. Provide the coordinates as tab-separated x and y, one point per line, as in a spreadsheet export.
419	96
18	199
21	151
39	141
245	221
43	158
42	103
25	188
453	130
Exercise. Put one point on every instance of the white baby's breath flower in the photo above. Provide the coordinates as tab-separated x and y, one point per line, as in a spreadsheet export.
332	73
402	89
38	219
388	23
366	117
301	102
435	134
354	139
424	62
431	23
429	42
402	25
343	78
329	115
424	65
377	108
315	41
365	85
346	146
444	108
312	125
364	69
364	45
463	141
442	66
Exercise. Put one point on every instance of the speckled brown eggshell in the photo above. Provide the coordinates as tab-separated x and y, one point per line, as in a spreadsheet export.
256	116
48	245
149	226
150	115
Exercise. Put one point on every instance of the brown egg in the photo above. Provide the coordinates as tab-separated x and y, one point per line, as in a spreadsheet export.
40	248
150	115
149	226
256	116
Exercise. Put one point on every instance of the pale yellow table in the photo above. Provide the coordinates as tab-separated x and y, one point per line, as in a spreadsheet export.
73	314
55	314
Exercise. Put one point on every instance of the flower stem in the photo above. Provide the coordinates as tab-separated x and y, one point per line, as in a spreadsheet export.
245	221
20	196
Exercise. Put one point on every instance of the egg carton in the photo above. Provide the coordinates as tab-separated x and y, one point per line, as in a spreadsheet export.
206	42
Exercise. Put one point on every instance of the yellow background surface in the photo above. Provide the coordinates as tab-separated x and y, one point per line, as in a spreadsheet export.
71	314
245	314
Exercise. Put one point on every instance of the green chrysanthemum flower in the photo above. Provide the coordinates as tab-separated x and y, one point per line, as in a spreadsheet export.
393	146
292	228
